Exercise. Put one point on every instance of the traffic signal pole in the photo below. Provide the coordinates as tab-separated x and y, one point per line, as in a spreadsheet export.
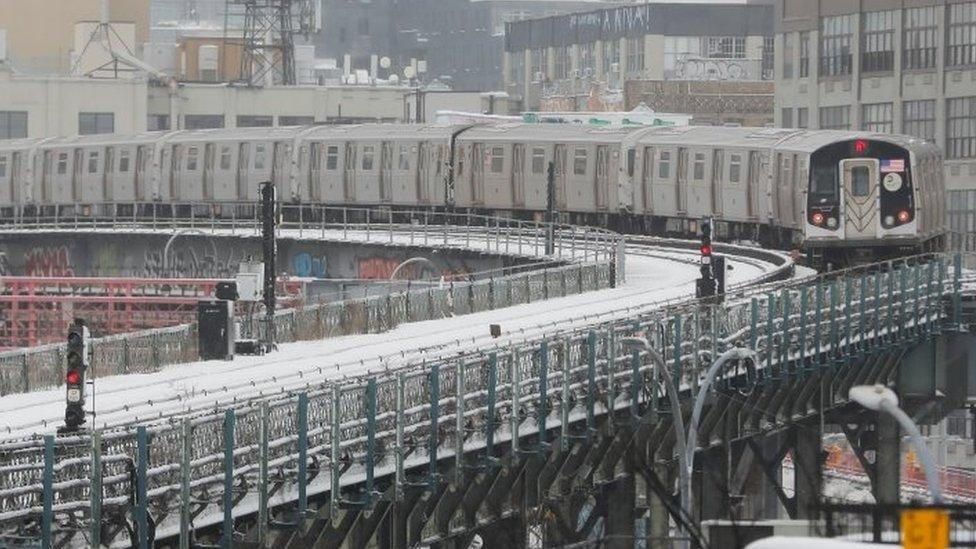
77	365
706	286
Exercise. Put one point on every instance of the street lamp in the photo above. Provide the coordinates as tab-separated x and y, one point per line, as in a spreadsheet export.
882	399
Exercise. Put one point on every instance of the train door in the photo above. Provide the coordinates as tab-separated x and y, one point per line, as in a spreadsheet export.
518	174
478	160
77	175
602	176
281	156
423	170
647	176
209	154
314	171
47	176
386	171
176	173
140	175
349	173
243	179
108	175
559	175
718	170
681	182
16	191
752	183
860	188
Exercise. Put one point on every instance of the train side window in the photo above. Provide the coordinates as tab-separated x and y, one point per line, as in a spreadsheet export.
3	165
62	163
93	162
224	157
735	168
497	159
332	158
860	181
579	162
259	154
699	169
123	161
192	153
367	158
404	163
664	165
538	160
631	162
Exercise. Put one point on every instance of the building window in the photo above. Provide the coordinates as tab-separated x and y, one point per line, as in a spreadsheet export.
540	64
562	63
516	67
538	160
877	117
920	38
804	54
611	55
786	117
919	118
635	55
332	158
587	58
835	45
878	41
62	163
579	162
90	123
367	158
93	162
296	120
699	168
203	121
961	49
157	122
768	58
803	117
725	47
664	165
13	124
497	159
788	55
835	118
735	168
255	121
961	127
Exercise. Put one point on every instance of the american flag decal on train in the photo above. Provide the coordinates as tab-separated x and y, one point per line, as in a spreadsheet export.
892	165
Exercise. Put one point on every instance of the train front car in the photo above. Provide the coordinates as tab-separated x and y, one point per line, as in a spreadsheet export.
871	197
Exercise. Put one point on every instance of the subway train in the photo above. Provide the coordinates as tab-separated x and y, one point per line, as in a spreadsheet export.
840	197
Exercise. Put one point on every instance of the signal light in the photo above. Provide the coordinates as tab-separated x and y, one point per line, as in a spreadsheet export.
73	377
903	216
706	249
860	146
817	218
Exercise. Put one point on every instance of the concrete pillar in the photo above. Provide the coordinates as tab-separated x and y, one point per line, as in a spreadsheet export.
887	462
808	469
711	484
658	527
621	514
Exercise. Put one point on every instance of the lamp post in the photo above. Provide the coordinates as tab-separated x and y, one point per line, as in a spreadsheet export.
882	399
686	441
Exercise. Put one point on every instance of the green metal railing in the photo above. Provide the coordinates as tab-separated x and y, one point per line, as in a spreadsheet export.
401	423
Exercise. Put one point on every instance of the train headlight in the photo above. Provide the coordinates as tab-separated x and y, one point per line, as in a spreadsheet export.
903	216
817	218
832	222
889	220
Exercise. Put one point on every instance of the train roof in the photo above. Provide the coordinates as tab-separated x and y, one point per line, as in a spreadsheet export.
781	138
563	133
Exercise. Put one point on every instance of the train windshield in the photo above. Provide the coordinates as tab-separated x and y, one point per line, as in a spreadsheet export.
823	185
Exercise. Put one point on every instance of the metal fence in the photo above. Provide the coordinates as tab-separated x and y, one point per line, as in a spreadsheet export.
209	467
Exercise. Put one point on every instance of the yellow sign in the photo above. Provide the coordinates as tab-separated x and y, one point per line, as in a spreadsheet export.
925	529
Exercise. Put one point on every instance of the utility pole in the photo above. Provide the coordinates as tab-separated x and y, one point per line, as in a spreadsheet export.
550	208
269	245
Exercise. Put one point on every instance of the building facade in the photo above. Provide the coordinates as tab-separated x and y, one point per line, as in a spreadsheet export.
893	66
566	60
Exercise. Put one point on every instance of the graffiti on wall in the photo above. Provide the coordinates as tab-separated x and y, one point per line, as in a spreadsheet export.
720	69
305	264
190	263
381	268
48	261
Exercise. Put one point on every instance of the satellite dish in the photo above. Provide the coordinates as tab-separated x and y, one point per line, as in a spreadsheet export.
409	72
394	79
385	62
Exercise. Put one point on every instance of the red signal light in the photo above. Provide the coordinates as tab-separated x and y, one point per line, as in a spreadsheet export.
73	377
706	249
860	146
903	216
817	218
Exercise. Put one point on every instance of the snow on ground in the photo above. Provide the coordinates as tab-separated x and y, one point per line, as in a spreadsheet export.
215	384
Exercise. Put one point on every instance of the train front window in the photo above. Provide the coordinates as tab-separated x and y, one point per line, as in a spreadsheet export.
860	181
823	185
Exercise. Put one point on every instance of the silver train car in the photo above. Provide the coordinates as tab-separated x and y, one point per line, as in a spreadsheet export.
841	197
